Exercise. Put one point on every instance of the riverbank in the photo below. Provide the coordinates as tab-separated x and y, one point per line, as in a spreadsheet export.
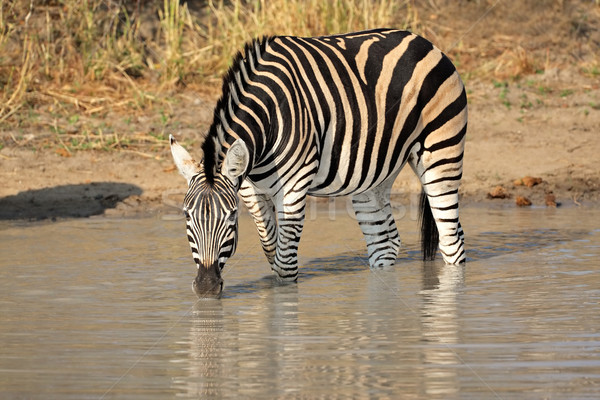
72	149
545	127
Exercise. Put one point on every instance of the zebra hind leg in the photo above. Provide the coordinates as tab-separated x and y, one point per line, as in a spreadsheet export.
374	216
440	185
444	208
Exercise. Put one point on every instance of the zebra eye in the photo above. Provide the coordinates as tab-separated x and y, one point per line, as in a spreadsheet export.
232	217
187	215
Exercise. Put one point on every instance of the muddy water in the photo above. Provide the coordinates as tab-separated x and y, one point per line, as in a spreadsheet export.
103	309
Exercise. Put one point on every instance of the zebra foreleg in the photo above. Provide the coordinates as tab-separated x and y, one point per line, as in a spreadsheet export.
262	209
374	215
290	222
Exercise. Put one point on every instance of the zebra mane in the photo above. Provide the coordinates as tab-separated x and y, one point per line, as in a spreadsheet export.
213	143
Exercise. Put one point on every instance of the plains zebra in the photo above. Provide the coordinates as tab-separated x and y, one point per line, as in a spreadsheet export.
327	116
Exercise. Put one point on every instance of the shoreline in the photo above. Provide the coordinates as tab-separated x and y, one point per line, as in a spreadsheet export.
551	137
132	186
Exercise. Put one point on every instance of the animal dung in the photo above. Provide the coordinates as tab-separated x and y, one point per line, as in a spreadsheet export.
528	181
523	201
498	193
550	200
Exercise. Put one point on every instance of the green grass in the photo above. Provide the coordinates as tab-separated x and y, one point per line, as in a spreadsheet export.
525	102
566	92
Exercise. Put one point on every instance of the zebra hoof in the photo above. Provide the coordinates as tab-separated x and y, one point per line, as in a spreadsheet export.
285	280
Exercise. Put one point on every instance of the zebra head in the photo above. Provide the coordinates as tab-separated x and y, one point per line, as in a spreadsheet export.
210	209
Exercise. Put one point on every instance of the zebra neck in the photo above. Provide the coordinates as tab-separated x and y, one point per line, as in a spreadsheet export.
248	109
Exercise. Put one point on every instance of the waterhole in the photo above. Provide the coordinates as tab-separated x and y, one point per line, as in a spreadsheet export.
103	308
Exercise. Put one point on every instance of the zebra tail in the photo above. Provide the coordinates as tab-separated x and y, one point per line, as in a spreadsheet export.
430	237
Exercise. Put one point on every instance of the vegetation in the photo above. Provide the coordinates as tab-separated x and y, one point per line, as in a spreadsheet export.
89	57
69	49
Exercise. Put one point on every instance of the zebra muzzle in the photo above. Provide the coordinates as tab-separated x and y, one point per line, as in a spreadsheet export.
208	282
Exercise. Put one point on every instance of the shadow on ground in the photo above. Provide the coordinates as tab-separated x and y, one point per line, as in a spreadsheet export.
66	201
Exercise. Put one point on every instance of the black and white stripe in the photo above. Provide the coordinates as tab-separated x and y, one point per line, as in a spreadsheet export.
341	115
211	220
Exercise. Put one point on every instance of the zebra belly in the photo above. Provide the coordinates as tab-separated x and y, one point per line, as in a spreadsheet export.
338	187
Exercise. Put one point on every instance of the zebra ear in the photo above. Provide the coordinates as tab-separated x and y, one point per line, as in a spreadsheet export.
183	160
236	160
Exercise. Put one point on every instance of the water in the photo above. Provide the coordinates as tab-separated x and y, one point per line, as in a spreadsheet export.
103	309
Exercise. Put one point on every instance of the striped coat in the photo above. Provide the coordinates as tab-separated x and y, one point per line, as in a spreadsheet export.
339	115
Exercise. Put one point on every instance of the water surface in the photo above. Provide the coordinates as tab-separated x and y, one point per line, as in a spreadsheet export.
103	309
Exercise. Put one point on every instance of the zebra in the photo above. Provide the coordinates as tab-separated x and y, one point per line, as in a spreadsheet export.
327	116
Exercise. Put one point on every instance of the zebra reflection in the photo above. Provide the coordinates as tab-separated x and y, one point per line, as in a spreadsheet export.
440	327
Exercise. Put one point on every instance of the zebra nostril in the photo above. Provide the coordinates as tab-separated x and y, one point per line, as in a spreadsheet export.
206	286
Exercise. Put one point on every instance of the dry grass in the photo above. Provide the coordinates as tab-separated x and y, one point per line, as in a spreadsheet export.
88	58
92	57
71	49
230	26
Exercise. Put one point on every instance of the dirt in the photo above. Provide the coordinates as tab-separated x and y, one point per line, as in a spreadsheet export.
537	115
555	139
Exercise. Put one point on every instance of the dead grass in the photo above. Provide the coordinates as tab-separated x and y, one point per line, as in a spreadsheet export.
93	58
69	49
230	26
